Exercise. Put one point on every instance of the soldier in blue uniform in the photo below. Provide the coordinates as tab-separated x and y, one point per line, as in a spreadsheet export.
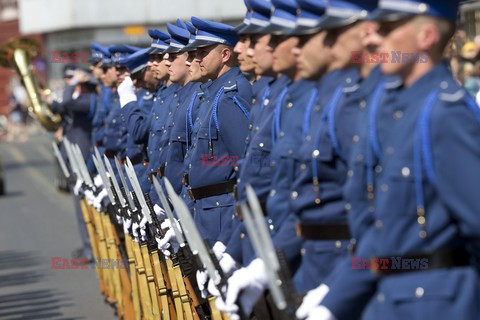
219	131
161	110
99	55
424	150
180	135
138	114
115	134
138	86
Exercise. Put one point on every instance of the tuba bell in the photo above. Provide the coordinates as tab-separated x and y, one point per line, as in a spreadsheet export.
17	53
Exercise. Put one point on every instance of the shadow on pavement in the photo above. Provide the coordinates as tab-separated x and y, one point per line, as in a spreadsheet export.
28	304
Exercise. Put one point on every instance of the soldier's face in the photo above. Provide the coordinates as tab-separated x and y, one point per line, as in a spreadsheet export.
158	66
344	41
210	60
193	67
177	69
398	36
97	70
262	54
122	73
245	61
283	58
149	81
313	56
110	77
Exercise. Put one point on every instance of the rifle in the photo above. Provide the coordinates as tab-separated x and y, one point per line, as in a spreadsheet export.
280	281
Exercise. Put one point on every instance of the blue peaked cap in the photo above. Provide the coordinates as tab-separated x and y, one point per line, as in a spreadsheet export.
159	39
283	19
260	16
341	13
309	16
248	15
98	53
212	32
392	10
192	30
180	38
136	61
120	52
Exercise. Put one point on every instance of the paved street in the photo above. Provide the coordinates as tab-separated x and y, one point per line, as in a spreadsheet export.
37	223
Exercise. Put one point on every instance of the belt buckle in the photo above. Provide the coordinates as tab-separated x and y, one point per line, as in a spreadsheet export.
160	172
190	194
185	179
298	230
238	212
235	192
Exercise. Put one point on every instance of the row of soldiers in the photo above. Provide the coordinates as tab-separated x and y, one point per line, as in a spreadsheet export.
277	169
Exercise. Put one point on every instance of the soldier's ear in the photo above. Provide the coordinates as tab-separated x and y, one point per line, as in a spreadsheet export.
428	37
226	54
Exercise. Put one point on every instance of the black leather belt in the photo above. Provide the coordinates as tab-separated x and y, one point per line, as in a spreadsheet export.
441	259
238	209
161	171
334	231
212	190
110	154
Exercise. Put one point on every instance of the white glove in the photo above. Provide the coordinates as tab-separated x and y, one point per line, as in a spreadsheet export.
228	265
251	281
312	299
126	225
219	248
97	181
142	226
320	313
89	196
135	231
126	91
202	278
159	212
76	188
97	201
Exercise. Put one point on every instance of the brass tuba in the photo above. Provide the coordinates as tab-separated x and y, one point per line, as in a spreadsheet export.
17	53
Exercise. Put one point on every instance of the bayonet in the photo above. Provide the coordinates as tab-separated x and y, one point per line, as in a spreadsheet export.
73	161
104	177
196	242
56	151
82	165
113	179
272	274
168	212
136	187
273	258
131	203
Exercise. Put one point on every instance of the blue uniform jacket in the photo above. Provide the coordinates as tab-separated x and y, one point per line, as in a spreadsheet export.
218	141
437	171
